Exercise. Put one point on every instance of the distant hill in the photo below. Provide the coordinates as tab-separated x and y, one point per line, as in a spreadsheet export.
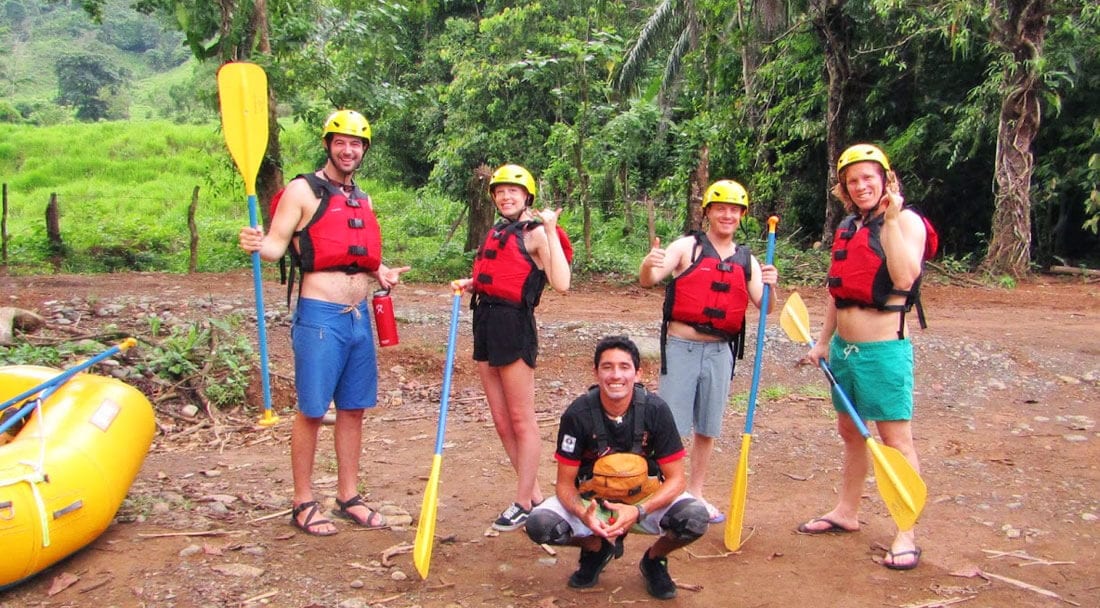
147	58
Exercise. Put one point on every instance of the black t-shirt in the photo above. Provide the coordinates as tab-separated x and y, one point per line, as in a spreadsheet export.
577	436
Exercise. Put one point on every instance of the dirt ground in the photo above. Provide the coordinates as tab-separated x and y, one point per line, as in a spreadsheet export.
1008	397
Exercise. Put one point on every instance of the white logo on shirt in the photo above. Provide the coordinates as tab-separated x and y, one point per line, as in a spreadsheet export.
568	443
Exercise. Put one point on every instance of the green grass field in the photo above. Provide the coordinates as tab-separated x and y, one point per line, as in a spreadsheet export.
123	191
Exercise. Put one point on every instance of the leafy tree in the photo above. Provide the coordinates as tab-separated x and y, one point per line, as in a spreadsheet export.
228	31
93	85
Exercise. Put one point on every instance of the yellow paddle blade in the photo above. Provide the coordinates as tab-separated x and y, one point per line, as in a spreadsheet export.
738	494
242	94
795	319
425	526
899	485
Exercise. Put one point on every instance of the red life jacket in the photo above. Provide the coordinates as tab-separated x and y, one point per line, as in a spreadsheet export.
711	295
858	274
343	234
504	271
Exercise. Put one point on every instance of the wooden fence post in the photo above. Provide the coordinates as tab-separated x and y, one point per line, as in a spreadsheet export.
193	261
53	233
4	228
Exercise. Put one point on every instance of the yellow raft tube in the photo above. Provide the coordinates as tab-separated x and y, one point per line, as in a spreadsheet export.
65	473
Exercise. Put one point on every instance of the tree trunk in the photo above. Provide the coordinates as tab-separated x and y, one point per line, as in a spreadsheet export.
1022	34
269	180
835	33
193	229
700	179
764	20
53	232
481	209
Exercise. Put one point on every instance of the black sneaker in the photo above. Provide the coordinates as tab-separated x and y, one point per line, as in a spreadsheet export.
592	564
511	518
657	581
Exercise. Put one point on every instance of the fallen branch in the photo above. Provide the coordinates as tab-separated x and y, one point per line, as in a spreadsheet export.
395	550
257	598
197	533
282	513
1031	561
688	586
941	603
1088	272
799	477
96	585
404	419
970	573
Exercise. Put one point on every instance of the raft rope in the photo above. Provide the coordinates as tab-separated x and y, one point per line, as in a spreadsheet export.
36	476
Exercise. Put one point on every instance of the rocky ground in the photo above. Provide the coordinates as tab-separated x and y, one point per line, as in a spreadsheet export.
1008	396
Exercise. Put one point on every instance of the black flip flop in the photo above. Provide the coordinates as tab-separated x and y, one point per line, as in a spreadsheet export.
834	528
915	552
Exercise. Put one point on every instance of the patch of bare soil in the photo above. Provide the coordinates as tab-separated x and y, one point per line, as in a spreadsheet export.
1008	397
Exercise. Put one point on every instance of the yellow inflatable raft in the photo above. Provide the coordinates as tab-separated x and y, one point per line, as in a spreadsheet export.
65	473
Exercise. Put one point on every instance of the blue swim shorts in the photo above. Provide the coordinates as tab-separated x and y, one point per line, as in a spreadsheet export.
334	357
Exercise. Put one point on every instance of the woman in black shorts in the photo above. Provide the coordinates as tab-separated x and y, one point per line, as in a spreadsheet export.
524	251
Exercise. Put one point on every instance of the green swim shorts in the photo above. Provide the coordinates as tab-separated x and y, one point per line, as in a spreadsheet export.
877	377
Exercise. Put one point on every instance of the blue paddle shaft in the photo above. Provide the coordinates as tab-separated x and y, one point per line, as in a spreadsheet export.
63	376
768	259
866	434
261	322
445	397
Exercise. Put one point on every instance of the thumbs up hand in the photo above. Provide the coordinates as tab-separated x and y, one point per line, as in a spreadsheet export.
656	255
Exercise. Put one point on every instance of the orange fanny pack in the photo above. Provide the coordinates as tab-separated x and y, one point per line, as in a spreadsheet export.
620	477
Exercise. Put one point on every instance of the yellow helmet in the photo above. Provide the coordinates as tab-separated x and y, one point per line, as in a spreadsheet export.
347	122
726	191
515	175
862	152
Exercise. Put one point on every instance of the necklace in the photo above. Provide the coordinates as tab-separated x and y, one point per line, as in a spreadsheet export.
616	419
345	187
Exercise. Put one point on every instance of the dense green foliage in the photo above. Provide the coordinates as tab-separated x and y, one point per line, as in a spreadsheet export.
614	104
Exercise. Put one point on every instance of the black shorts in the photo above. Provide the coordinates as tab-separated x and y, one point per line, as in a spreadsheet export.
503	334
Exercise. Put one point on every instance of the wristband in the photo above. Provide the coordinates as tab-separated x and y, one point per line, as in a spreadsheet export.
641	512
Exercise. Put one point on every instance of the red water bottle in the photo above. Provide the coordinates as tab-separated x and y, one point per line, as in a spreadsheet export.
384	320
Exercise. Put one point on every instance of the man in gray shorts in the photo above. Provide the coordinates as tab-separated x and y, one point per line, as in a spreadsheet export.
713	280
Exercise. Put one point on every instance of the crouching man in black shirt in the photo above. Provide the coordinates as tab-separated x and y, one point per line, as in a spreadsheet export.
619	417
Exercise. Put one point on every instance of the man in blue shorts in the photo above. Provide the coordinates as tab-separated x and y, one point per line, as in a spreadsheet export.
618	418
334	356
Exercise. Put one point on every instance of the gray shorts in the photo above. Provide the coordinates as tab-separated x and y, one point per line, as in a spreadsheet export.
697	385
650	524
